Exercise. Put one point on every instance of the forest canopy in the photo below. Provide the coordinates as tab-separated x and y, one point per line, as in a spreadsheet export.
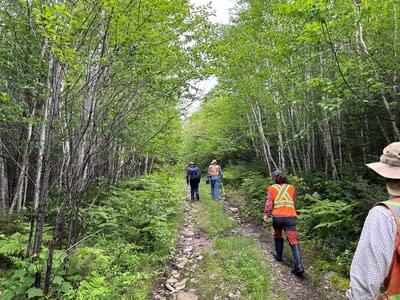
94	126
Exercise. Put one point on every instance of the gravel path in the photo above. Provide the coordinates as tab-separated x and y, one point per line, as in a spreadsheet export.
191	244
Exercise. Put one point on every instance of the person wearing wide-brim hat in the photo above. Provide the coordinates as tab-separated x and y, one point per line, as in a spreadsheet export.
215	175
377	257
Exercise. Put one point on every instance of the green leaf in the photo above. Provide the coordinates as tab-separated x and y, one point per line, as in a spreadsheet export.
34	292
8	295
58	280
65	287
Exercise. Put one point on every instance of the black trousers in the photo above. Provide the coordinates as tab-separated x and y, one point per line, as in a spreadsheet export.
194	187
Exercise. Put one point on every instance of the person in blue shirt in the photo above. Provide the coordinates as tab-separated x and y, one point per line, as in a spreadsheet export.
193	177
215	176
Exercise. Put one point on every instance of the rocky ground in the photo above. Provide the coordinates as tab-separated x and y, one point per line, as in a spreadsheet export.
191	244
188	253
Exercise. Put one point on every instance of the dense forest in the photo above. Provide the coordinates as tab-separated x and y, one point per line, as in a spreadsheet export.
94	132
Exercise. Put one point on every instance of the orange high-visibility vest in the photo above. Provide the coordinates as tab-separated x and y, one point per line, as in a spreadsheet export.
213	170
283	195
392	281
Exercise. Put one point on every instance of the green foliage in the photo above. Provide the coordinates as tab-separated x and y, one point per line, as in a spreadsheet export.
93	287
215	132
135	224
13	245
254	187
22	276
139	212
331	222
18	286
10	224
134	232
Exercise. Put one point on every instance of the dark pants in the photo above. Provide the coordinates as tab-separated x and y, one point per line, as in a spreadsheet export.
287	224
194	187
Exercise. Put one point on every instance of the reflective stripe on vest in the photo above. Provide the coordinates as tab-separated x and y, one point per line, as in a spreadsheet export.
392	281
213	170
283	198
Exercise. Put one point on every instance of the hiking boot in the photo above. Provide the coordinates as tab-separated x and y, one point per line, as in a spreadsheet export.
278	249
298	265
198	197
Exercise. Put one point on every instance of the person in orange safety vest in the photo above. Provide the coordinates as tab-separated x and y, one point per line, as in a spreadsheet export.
281	200
215	176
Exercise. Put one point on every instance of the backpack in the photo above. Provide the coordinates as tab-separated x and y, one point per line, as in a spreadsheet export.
193	173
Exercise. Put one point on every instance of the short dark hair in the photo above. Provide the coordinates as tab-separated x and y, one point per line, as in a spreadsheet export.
281	178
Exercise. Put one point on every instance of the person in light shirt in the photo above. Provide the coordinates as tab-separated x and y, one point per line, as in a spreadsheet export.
215	175
377	257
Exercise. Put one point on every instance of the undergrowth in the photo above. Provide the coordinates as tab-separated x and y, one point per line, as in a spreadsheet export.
128	235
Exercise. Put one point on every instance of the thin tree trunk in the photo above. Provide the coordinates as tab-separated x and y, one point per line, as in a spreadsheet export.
42	136
151	165
23	168
3	182
45	183
146	162
264	141
281	153
364	48
262	137
252	134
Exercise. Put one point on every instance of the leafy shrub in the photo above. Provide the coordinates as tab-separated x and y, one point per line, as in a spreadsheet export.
135	226
19	284
10	224
253	188
331	222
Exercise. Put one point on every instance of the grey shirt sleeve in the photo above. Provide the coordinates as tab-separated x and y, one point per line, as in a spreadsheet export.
373	256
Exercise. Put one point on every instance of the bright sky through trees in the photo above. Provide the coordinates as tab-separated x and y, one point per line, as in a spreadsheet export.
222	14
221	8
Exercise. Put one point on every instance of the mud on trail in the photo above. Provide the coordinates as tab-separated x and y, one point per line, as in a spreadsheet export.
192	243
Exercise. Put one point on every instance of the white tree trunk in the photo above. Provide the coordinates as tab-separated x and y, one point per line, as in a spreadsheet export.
266	150
42	135
18	198
3	182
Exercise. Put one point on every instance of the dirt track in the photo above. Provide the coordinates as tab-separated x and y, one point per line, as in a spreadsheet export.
192	242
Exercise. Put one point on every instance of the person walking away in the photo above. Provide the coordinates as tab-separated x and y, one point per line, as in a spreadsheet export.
215	175
193	177
377	257
281	200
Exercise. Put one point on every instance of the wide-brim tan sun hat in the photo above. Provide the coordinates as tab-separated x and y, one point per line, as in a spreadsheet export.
389	162
213	161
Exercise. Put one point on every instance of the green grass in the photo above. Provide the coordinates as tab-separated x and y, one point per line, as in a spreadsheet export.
211	217
236	264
